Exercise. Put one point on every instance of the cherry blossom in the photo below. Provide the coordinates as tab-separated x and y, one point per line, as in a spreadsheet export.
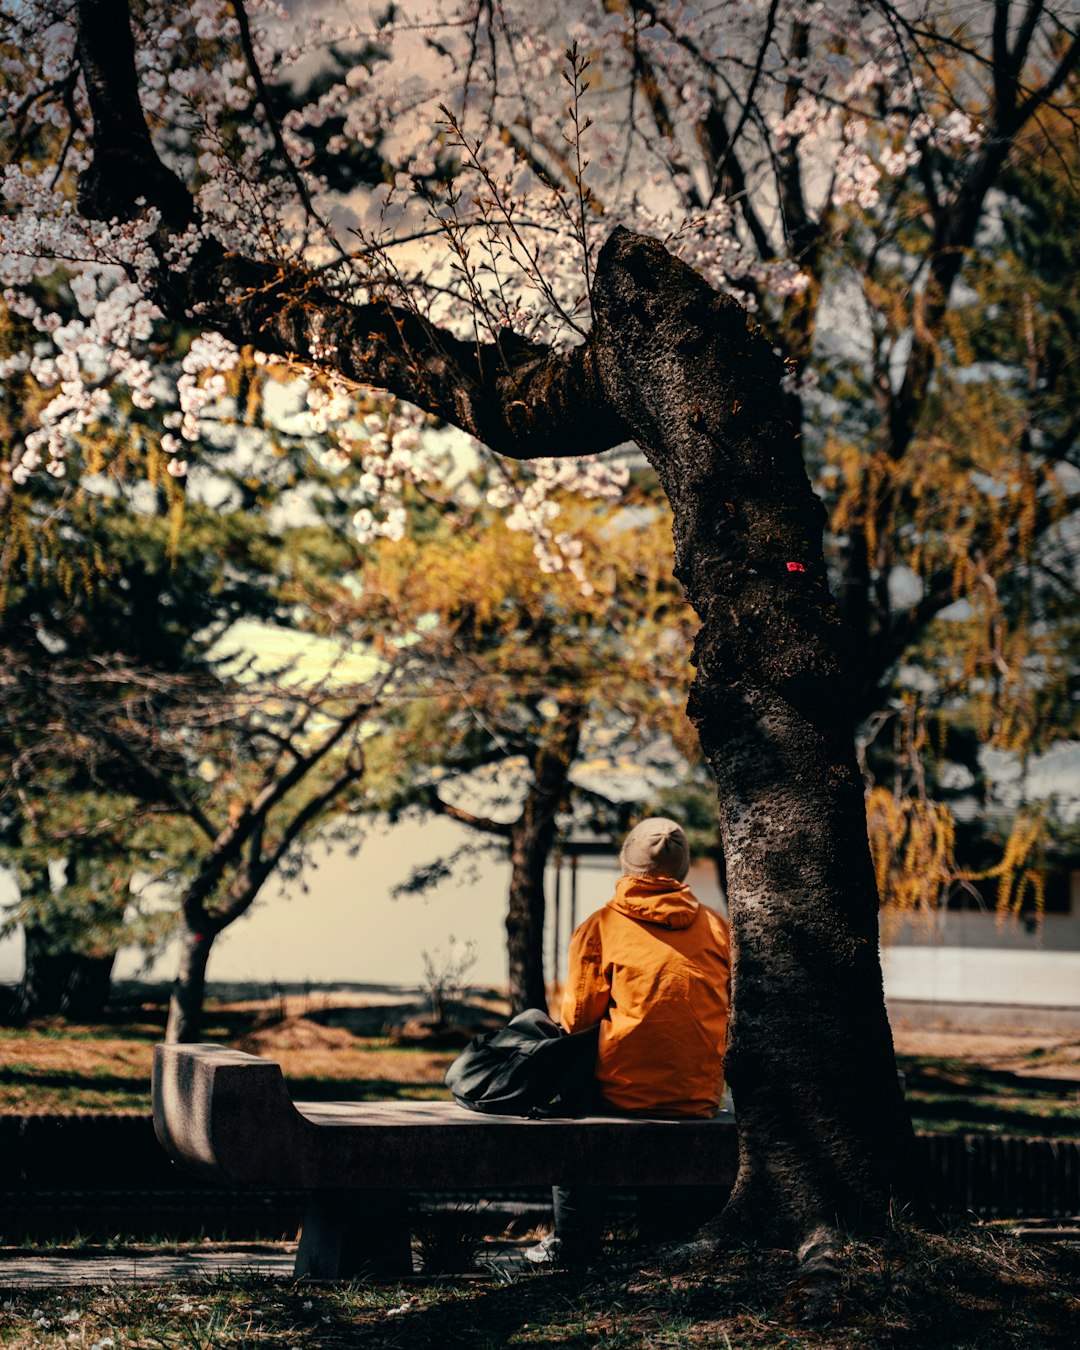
507	140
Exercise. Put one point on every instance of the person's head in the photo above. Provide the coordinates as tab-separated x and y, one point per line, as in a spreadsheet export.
657	847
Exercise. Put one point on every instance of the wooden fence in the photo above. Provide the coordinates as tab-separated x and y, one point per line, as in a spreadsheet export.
100	1176
1002	1176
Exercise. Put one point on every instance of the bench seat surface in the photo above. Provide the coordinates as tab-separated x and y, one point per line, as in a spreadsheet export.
228	1116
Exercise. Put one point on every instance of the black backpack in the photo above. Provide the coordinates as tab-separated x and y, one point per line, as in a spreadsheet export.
530	1067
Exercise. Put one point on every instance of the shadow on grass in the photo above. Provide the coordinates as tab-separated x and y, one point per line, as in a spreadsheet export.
963	1290
532	1310
982	1118
126	1024
28	1076
934	1295
975	1080
300	1089
919	1293
971	1097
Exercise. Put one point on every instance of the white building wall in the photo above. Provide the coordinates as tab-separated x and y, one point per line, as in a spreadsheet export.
933	974
346	928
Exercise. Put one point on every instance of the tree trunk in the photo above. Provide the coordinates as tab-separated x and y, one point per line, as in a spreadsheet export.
189	989
44	977
89	983
57	981
824	1137
531	839
530	845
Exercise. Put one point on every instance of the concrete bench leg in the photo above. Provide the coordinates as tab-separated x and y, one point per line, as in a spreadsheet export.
354	1232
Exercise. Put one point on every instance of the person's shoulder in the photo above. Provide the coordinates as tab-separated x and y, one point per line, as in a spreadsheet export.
589	928
597	916
609	922
714	918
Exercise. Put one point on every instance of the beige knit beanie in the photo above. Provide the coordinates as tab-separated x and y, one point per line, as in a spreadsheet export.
657	847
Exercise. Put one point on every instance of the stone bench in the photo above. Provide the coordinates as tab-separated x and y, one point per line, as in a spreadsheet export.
227	1116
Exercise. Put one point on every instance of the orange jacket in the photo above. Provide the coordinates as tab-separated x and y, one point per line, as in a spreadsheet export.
653	968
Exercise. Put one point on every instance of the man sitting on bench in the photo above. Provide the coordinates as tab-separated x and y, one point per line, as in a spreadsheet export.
653	968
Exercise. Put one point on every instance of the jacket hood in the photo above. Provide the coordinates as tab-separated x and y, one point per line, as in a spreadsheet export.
659	900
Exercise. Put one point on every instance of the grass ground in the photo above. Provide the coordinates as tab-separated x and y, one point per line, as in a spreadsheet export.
55	1067
955	1083
968	1290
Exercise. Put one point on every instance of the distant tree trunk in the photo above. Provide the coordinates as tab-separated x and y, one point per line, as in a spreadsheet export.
184	1025
824	1137
532	836
61	979
44	977
531	840
89	983
57	981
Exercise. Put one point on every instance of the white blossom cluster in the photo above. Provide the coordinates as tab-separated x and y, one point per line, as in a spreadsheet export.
384	449
392	452
840	122
201	383
82	359
106	262
390	458
529	494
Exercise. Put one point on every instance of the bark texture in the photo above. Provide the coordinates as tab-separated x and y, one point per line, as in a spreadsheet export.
184	1025
824	1135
